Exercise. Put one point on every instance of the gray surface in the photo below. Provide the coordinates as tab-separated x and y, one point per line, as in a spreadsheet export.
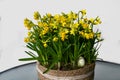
26	72
107	71
103	71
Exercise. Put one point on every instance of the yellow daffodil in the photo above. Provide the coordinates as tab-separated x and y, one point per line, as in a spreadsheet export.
45	45
96	23
70	15
87	36
55	39
98	36
40	24
98	20
76	25
89	27
91	20
72	31
36	15
29	34
26	39
45	30
45	24
81	22
81	33
91	35
63	24
32	40
85	25
62	19
85	19
83	12
44	18
57	17
66	31
28	24
48	15
62	35
54	25
75	16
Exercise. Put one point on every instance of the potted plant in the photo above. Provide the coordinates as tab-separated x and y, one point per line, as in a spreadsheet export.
64	45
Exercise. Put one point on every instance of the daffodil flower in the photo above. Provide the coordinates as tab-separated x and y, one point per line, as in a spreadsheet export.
83	12
26	39
28	23
36	15
55	39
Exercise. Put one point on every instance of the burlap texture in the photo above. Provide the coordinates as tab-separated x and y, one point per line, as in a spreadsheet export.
86	69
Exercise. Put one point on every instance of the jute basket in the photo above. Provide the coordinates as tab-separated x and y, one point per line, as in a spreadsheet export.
85	73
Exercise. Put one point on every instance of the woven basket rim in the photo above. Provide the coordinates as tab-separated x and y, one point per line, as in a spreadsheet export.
87	65
83	70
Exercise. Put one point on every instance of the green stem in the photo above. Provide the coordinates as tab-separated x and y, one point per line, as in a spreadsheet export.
73	64
78	16
58	65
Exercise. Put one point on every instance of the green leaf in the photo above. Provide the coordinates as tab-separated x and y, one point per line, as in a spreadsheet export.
31	54
67	48
52	52
28	59
31	59
55	47
30	46
53	63
81	47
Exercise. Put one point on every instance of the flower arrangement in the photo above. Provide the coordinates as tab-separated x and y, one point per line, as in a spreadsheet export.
62	41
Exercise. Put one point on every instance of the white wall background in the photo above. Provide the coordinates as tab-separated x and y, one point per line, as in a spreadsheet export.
12	31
